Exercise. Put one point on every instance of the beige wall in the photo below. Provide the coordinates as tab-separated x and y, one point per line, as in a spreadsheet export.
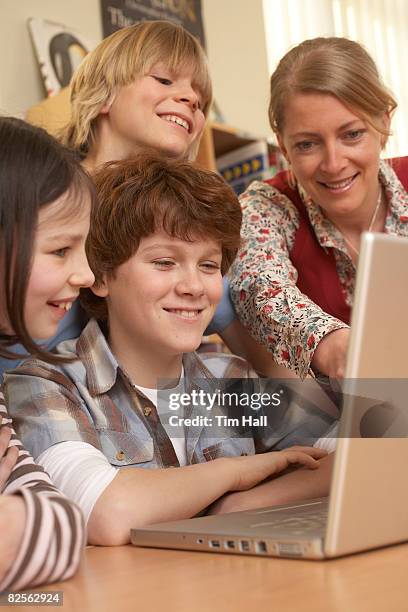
20	80
238	59
235	42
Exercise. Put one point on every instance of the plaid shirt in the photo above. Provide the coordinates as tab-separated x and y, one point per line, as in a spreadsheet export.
93	400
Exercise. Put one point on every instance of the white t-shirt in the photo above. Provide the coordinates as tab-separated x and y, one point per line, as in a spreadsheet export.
176	434
80	470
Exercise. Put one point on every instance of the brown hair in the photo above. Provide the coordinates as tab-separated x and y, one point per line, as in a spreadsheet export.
118	60
335	66
149	193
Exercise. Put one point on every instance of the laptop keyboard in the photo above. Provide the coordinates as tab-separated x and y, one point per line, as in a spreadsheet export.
309	520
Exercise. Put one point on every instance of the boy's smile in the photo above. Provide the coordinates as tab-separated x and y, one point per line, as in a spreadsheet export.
161	300
158	110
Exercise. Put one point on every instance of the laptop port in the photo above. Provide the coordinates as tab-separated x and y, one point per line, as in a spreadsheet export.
260	547
290	549
214	544
229	544
244	545
200	541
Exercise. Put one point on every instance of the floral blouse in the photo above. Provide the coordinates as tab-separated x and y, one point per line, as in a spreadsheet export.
263	278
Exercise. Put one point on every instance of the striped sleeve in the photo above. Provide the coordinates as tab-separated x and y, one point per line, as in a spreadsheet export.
54	532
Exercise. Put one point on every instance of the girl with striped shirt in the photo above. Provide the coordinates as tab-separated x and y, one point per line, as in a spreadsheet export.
45	203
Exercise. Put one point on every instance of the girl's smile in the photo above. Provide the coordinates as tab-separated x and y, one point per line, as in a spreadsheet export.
59	268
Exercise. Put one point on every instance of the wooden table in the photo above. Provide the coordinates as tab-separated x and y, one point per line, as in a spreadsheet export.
134	579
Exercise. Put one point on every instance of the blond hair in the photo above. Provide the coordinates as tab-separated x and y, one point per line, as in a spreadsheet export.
336	66
118	60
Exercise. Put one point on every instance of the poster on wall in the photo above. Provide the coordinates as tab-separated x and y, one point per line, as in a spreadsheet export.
117	14
59	51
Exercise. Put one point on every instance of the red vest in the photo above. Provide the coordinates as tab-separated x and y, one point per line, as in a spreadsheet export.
316	267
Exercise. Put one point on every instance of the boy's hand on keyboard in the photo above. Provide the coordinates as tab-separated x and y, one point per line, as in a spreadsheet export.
254	469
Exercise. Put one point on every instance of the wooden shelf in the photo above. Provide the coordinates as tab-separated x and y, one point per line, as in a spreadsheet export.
227	138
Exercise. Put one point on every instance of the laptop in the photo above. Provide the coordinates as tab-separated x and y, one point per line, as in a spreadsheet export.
368	502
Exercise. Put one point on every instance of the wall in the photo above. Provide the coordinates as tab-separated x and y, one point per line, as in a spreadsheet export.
235	44
237	53
20	80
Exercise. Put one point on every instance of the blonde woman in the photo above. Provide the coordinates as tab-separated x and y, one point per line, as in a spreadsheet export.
293	280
